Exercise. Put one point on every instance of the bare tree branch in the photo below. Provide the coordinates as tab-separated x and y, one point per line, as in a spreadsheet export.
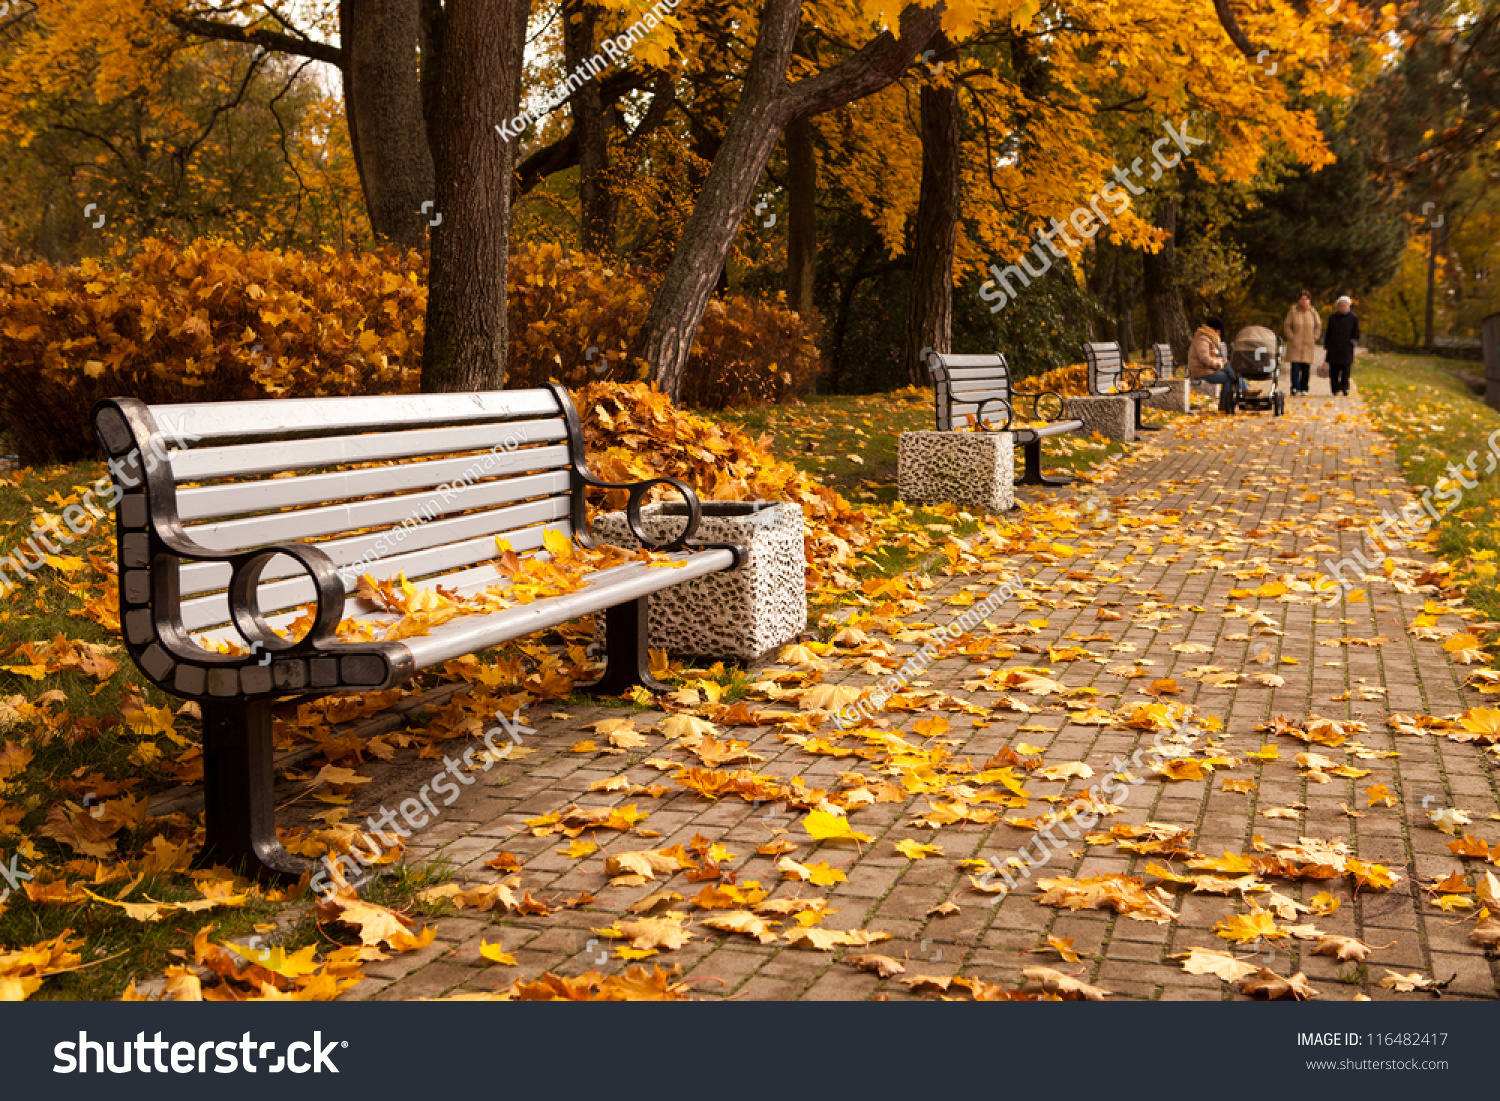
1232	28
255	36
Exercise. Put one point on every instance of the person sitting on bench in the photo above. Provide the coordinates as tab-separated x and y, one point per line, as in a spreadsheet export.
1206	365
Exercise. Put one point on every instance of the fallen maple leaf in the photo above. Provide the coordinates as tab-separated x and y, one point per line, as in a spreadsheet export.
883	966
495	954
1046	980
822	826
1213	961
1267	984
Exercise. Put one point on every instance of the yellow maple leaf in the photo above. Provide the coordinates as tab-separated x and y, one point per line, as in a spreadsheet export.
1243	928
496	954
823	826
916	850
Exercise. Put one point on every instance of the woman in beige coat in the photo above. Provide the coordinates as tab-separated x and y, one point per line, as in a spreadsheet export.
1302	329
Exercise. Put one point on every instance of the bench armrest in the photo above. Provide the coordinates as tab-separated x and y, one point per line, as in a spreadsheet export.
243	592
1036	403
1139	377
638	491
978	415
244	604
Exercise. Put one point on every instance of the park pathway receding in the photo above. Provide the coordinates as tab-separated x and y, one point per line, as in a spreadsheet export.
1189	582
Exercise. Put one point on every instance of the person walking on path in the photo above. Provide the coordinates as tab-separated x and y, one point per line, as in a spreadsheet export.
1338	343
1206	365
1302	329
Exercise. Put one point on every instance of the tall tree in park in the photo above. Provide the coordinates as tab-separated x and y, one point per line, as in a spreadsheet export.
929	321
471	75
767	105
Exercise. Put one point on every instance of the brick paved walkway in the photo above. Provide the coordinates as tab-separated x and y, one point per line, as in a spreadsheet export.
1212	505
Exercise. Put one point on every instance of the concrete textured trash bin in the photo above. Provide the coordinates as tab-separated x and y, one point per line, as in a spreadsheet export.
1111	416
972	469
1176	400
739	614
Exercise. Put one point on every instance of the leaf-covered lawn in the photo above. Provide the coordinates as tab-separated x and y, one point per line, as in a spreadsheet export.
1434	420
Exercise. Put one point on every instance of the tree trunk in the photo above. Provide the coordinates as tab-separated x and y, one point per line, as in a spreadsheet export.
470	83
1165	315
767	104
802	217
1124	305
383	105
596	205
1428	328
929	315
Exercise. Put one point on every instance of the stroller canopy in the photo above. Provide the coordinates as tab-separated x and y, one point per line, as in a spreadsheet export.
1255	352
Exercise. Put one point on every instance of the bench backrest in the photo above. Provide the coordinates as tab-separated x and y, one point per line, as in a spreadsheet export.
1106	367
963	382
1165	363
413	484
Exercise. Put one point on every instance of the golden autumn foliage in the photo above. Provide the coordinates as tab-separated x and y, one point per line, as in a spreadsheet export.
213	321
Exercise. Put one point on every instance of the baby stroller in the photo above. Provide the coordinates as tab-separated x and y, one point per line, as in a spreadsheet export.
1256	358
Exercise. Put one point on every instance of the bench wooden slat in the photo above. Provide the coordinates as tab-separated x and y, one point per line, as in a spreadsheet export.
294	416
954	362
347	517
426	568
239	498
425	549
978	374
630	579
977	385
243	460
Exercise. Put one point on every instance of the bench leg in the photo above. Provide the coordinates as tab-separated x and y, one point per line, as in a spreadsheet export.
1140	425
1033	475
627	655
239	799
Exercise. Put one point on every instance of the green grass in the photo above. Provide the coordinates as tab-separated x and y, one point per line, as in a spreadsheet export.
1433	419
852	442
117	948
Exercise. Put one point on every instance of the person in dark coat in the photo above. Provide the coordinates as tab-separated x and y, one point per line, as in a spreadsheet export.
1339	339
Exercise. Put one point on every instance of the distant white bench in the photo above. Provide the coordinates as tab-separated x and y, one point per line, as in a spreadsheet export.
1110	375
977	391
213	545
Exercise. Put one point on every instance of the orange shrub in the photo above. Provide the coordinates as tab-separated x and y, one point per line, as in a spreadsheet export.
175	323
574	321
1071	381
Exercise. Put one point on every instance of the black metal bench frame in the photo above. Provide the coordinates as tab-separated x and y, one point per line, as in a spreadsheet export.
970	385
157	550
1111	376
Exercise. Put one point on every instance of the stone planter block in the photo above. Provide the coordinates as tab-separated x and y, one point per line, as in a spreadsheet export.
1112	416
1175	400
972	469
740	614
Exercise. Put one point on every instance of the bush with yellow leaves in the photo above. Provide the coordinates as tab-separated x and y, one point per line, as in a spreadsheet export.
213	321
1071	381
